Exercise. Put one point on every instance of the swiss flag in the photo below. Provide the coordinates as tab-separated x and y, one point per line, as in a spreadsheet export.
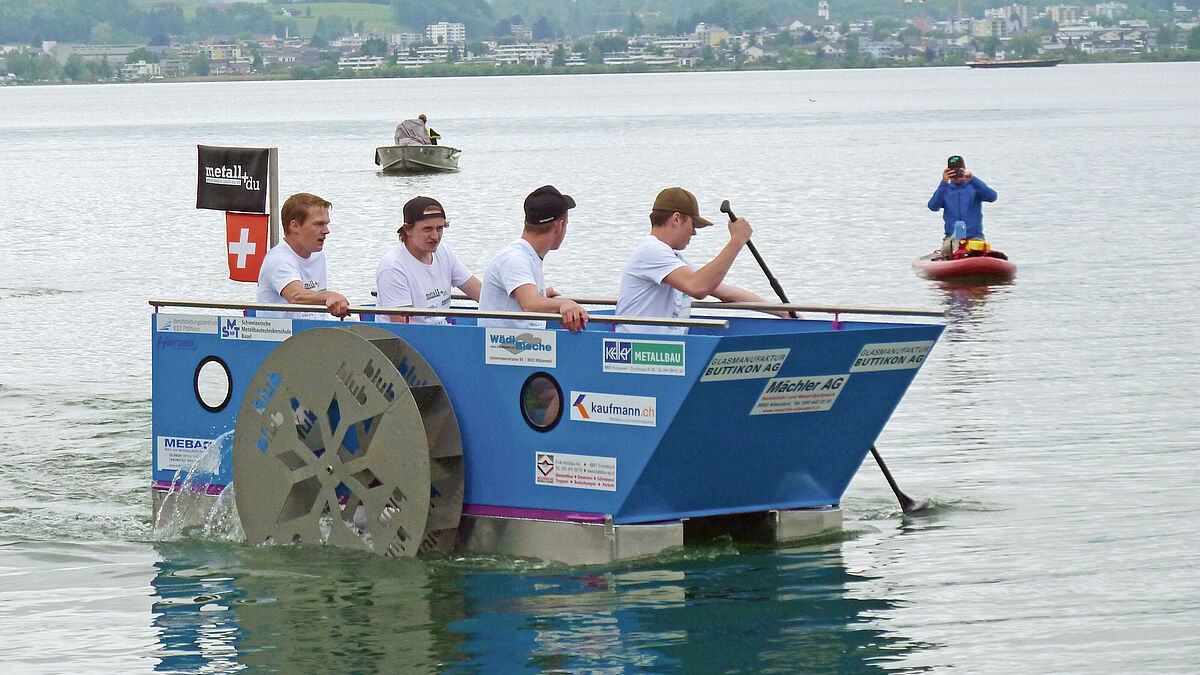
246	243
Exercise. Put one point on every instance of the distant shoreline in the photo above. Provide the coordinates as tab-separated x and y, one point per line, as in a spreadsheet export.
466	70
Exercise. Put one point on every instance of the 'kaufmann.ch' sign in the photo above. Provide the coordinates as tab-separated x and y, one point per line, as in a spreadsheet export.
232	179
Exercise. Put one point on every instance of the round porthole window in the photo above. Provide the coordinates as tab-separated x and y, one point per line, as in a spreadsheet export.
212	384
541	402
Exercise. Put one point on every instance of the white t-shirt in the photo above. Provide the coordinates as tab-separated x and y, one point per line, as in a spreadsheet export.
281	266
514	266
404	281
643	291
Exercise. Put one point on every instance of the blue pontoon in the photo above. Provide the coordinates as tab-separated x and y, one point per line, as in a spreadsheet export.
580	448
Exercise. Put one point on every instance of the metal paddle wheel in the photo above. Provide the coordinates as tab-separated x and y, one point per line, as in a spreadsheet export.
346	437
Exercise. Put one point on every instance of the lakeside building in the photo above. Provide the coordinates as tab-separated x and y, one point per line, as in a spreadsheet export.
360	62
291	55
348	43
445	33
118	53
1061	14
531	53
140	70
404	40
218	51
711	35
636	55
989	27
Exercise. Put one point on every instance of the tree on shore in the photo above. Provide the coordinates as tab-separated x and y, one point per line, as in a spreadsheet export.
141	54
200	65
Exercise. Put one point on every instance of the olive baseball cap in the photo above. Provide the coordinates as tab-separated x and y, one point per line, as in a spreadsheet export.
676	199
546	204
417	209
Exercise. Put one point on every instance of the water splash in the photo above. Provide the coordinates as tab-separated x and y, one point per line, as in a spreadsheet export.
194	508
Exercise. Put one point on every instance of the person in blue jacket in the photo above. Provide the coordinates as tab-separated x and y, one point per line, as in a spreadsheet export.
960	197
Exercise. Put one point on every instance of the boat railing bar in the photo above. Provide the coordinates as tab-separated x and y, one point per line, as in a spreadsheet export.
416	311
772	307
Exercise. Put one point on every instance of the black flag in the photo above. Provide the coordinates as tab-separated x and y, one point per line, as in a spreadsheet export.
232	179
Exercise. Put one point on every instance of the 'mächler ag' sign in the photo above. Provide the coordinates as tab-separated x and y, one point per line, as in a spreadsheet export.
232	179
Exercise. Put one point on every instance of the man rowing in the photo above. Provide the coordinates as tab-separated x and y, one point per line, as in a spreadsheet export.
659	282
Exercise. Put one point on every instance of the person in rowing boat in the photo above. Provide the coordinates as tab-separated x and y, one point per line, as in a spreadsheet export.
960	197
414	132
659	282
513	281
422	270
293	272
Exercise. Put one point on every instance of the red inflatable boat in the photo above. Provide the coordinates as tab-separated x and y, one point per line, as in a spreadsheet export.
992	266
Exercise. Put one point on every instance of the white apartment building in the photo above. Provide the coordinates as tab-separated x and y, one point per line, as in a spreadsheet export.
990	27
404	40
134	71
536	54
445	33
674	42
360	62
1061	14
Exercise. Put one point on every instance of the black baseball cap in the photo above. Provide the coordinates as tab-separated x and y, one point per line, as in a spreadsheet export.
417	209
546	204
955	162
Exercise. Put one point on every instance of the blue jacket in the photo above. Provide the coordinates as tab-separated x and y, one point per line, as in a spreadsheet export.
962	201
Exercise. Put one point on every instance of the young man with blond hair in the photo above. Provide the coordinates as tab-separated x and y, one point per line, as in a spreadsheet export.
293	272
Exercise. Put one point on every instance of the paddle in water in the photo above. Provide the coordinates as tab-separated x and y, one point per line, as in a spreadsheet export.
910	506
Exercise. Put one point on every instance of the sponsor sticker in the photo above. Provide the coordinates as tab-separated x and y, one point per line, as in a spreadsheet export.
891	356
187	323
746	365
520	347
253	328
584	472
799	394
644	357
589	406
174	453
177	343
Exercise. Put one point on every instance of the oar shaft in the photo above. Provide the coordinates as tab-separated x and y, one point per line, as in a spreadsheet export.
907	504
770	277
761	263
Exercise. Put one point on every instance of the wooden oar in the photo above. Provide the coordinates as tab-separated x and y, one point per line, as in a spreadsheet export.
910	506
761	263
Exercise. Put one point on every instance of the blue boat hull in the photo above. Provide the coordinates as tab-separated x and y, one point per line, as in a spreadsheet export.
767	414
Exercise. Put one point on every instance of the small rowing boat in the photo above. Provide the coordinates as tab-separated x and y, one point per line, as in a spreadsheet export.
417	158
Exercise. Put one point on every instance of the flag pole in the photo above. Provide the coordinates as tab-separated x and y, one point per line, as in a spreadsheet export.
273	191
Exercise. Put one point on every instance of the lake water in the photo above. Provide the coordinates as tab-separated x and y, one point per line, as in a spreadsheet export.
1055	424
